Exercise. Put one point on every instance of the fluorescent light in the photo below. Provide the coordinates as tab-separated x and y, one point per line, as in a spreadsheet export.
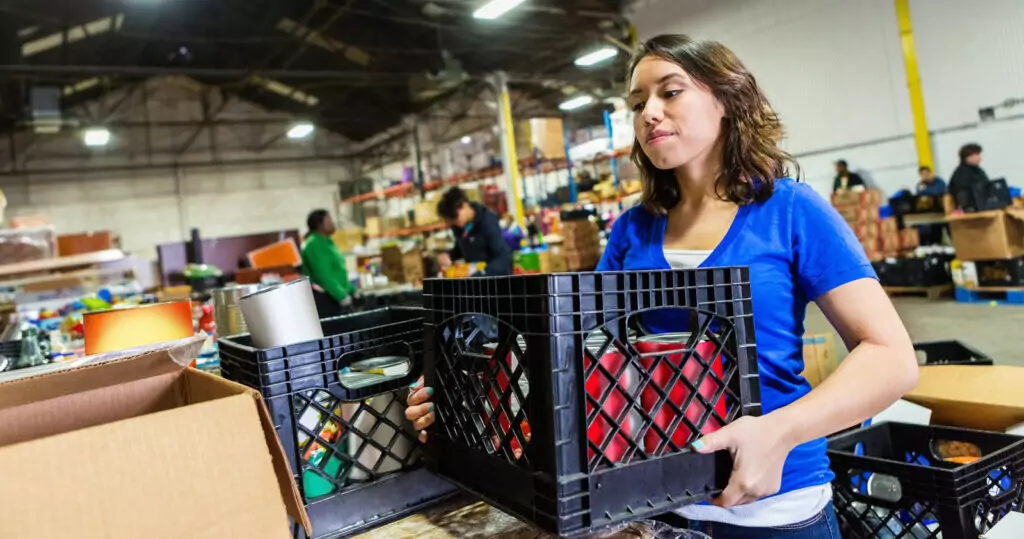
495	9
597	56
302	130
467	139
576	102
96	137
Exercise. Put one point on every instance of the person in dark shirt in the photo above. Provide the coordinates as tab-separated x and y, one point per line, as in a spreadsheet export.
930	183
845	180
477	234
969	173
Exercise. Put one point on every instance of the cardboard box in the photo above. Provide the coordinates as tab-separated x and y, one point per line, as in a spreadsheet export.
141	447
988	235
347	239
910	238
425	213
402	266
372	226
545	135
974	397
820	358
87	242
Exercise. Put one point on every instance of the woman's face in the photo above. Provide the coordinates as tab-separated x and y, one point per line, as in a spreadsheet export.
676	119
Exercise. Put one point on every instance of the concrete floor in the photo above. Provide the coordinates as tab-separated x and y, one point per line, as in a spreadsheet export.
997	331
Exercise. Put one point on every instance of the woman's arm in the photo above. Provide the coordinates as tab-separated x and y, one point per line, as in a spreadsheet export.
881	367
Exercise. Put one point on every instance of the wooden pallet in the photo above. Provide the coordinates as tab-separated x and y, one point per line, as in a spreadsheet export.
931	292
997	295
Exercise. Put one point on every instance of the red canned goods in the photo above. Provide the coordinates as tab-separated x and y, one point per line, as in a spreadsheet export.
673	345
511	401
597	384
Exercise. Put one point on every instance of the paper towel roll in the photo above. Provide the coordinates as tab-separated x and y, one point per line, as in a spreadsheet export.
281	315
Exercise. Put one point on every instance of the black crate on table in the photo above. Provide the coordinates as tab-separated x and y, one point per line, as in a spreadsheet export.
356	458
895	480
949	353
1000	273
547	410
931	270
906	203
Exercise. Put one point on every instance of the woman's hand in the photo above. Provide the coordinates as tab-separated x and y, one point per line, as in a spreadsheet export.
419	410
759	448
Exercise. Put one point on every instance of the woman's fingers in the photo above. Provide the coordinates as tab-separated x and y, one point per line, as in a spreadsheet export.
424	421
420	396
412	413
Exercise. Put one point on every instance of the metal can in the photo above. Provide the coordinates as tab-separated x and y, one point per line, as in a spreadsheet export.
504	398
618	419
673	348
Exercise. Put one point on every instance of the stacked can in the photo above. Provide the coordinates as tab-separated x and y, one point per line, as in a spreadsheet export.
503	395
623	424
673	346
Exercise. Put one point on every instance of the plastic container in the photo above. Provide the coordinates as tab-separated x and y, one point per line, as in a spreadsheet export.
949	353
900	480
27	244
356	457
556	433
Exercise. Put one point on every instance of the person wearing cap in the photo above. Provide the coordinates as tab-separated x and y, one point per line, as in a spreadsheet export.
846	180
477	232
324	264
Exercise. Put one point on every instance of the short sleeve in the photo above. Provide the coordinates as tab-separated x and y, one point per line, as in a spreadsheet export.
618	241
826	252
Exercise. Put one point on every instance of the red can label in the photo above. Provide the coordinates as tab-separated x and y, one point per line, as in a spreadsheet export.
663	356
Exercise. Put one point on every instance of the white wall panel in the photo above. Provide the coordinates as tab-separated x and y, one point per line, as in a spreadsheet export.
834	71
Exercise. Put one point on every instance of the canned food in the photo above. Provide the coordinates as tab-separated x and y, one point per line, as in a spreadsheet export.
673	347
614	420
503	396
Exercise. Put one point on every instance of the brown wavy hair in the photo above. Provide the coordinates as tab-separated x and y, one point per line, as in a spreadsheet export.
751	130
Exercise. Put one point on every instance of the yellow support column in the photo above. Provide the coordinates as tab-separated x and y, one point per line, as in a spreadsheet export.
508	149
922	138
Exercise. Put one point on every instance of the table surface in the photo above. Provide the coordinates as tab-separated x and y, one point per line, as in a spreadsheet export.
463	517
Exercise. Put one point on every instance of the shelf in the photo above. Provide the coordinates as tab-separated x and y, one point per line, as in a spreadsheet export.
546	166
402	232
64	262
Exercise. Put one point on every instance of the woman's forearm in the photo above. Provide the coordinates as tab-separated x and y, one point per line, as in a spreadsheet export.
868	381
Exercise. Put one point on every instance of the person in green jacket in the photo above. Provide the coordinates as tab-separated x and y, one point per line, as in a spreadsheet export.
325	266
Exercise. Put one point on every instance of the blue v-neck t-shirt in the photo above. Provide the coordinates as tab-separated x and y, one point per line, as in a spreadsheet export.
797	248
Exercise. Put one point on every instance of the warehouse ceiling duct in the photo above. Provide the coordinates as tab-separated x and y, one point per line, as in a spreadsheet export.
73	34
426	86
327	43
284	90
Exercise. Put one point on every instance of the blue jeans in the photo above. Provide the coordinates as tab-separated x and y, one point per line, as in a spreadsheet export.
820	526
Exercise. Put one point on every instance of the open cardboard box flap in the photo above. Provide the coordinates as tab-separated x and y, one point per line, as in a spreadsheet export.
142	447
977	397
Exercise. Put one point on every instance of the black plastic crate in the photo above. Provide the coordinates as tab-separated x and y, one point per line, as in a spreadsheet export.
897	480
998	273
907	203
357	459
546	408
932	270
949	353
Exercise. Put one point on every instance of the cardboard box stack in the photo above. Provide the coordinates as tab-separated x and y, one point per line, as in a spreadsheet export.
881	238
985	237
401	264
581	248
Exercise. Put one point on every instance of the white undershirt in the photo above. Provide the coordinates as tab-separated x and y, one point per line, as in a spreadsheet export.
783	510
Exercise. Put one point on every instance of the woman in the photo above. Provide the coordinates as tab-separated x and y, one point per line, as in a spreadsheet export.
323	263
716	193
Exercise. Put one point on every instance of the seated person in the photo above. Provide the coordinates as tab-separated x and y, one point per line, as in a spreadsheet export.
930	183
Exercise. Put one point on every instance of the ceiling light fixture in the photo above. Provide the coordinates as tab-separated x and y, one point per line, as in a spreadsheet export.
301	130
597	56
467	139
576	102
495	8
96	137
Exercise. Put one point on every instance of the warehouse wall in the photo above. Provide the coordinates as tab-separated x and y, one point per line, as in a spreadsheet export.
148	206
834	70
